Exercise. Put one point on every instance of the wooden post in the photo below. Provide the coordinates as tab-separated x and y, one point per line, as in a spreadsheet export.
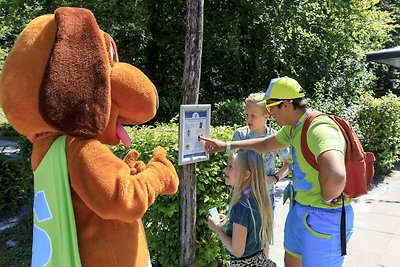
190	95
187	255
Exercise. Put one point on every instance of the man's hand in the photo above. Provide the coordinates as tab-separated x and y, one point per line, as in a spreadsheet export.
213	145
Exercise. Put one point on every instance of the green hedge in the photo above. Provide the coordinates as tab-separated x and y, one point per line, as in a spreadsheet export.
16	177
16	184
378	122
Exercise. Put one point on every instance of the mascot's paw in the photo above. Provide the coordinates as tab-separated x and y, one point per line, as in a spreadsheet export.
135	165
159	154
170	177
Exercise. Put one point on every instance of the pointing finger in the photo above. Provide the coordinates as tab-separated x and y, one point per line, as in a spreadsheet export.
200	137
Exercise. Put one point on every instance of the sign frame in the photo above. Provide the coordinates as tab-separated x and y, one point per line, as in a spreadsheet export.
194	120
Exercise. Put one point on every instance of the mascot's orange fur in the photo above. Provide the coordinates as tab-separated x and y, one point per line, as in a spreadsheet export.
63	77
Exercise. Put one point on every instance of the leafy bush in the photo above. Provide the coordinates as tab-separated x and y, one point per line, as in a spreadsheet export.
228	112
16	177
378	122
7	132
25	149
16	184
162	219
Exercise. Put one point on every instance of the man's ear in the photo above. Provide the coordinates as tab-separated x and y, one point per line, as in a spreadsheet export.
287	104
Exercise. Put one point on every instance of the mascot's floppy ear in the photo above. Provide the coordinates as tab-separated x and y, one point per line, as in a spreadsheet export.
75	94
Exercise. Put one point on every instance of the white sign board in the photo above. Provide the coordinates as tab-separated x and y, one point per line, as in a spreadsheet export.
194	121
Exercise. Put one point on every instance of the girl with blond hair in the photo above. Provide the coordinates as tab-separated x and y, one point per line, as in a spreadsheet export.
249	221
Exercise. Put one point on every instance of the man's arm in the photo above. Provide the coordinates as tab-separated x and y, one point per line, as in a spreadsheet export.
332	174
261	145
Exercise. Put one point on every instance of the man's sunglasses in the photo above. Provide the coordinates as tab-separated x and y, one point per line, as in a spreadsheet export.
268	106
276	103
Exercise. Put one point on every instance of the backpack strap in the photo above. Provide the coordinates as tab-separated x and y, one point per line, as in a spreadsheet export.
308	155
343	228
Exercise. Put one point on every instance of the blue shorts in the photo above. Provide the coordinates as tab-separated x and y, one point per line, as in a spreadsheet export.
313	234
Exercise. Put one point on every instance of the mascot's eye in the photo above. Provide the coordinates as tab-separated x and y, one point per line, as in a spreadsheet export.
112	52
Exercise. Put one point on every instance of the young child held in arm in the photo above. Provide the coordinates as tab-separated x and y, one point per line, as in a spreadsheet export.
249	221
256	118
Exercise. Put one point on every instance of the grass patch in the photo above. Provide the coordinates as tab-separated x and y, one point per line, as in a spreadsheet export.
20	255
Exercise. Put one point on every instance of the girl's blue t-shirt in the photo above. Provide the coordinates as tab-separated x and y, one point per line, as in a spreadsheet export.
245	212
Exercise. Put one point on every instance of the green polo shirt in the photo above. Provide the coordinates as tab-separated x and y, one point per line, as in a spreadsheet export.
322	135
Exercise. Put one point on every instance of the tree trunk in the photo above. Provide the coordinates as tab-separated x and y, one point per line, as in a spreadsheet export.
187	191
193	50
190	95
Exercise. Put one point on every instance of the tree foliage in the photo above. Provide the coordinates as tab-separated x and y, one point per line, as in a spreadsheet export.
246	43
388	77
320	43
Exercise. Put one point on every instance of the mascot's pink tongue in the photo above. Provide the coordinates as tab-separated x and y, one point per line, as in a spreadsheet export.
123	135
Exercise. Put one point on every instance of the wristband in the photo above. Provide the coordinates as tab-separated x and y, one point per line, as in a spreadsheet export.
276	177
228	146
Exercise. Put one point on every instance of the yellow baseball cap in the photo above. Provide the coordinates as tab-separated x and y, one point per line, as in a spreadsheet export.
284	88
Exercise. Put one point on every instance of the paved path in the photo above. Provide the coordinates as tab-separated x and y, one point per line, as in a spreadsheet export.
376	238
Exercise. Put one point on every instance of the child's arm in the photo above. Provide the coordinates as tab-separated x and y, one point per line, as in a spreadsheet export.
283	171
235	244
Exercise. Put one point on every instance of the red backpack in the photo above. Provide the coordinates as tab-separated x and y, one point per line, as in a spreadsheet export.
359	164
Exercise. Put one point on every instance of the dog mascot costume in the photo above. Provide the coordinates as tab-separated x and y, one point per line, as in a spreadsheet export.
63	87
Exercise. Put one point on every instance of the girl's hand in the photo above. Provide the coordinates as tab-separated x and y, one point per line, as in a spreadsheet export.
216	223
213	145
